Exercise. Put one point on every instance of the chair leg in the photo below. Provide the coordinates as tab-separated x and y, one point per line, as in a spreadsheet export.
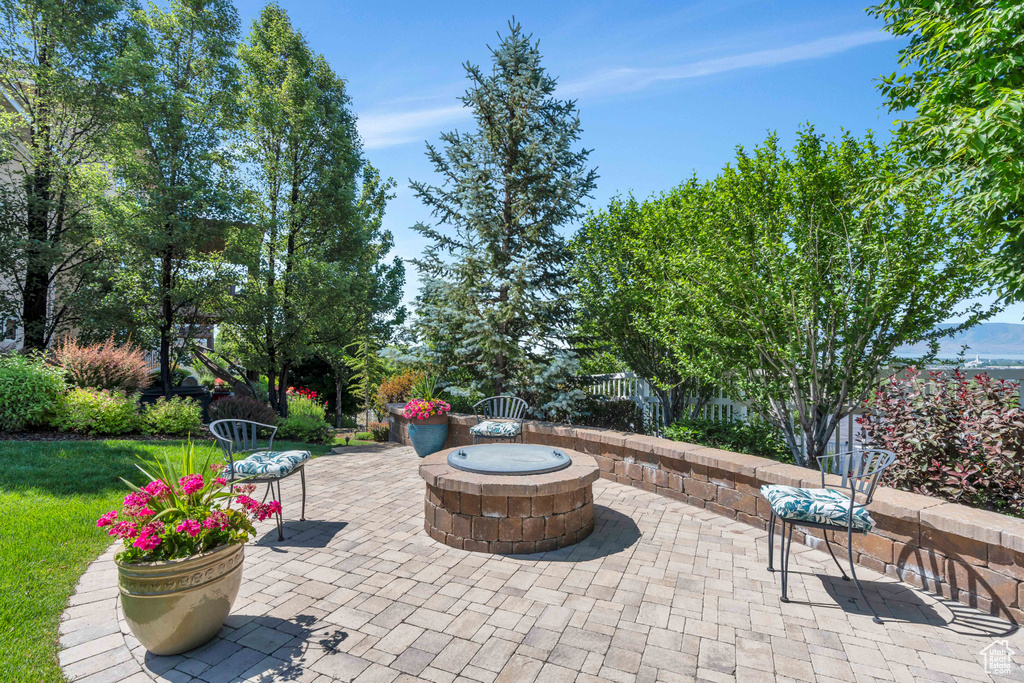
771	542
280	521
787	546
829	546
849	544
302	475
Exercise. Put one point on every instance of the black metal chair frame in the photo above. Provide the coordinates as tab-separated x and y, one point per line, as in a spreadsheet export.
859	472
241	437
503	408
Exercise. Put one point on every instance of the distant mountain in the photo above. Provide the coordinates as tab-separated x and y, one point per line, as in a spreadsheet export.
989	341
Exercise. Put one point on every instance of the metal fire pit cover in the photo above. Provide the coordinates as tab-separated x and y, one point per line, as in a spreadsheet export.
508	459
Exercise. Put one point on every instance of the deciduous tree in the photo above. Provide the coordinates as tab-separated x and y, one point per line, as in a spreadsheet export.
316	273
960	88
173	212
804	284
56	59
617	285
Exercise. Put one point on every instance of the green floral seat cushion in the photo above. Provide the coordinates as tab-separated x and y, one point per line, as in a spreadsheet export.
268	464
493	428
821	506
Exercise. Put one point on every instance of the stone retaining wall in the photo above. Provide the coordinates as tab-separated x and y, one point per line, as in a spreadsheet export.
972	556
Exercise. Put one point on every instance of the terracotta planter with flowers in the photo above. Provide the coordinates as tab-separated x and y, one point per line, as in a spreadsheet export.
428	418
184	536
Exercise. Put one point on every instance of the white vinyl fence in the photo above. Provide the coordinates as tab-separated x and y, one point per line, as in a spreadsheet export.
628	385
847	436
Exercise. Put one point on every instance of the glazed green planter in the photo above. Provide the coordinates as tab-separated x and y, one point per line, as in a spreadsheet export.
177	605
428	436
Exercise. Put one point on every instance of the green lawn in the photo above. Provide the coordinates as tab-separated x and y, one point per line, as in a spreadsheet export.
50	496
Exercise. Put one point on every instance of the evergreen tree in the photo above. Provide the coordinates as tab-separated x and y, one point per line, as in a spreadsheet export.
495	295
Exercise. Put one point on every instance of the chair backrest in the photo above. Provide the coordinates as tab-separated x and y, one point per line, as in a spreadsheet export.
860	471
503	407
239	436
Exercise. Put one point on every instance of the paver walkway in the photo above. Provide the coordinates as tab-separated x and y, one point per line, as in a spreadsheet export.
661	591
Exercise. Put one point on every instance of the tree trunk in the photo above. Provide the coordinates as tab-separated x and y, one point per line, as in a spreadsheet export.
282	392
339	386
271	373
40	180
667	404
166	325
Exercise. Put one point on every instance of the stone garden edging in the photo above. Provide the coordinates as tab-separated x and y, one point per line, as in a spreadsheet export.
973	556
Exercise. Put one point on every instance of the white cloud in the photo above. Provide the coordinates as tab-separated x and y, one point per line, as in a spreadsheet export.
387	129
397	128
627	79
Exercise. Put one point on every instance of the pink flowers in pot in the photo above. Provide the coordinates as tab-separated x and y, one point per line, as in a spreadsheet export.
421	409
183	512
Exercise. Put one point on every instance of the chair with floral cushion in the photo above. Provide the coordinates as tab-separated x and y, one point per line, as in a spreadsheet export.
499	418
838	507
260	464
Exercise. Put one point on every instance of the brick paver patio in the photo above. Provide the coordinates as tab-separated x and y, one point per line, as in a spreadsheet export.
661	591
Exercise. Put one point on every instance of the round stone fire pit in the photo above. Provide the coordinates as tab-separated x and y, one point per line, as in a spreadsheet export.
509	498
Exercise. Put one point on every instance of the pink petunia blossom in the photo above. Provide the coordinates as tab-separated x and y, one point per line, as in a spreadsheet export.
190	527
265	511
191	483
136	499
147	541
124	530
138	511
220	481
107	519
217	520
157	489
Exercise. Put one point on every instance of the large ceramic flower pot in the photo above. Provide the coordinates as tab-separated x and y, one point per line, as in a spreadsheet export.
178	605
428	436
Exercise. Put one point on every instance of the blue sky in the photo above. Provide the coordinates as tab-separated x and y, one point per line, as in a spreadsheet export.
663	88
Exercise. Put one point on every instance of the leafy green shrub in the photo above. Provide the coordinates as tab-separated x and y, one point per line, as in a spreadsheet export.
103	366
380	431
178	375
97	411
364	436
462	403
29	389
304	403
752	438
179	416
621	414
348	422
395	389
305	429
242	408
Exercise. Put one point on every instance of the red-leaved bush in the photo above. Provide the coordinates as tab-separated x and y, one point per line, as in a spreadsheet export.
957	438
107	365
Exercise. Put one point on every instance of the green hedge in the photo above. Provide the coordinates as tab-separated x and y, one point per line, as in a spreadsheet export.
752	438
97	411
29	389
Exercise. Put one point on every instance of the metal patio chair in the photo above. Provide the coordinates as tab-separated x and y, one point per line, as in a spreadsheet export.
499	418
261	465
841	507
